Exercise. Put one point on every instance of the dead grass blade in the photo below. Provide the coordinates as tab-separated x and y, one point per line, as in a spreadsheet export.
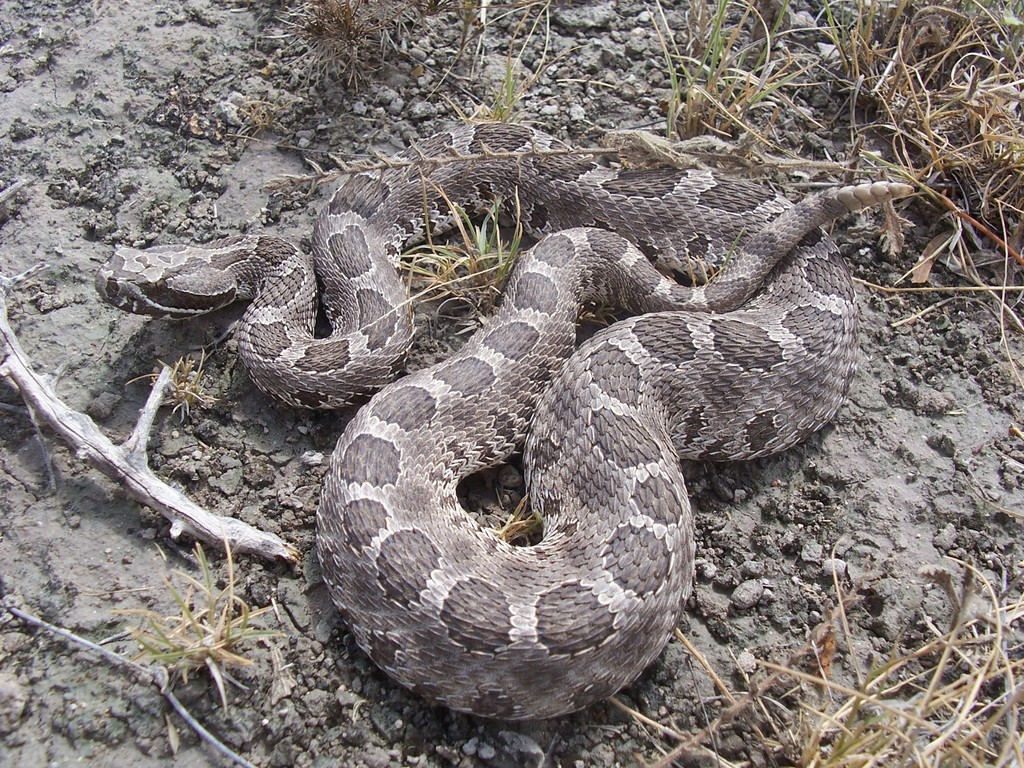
727	70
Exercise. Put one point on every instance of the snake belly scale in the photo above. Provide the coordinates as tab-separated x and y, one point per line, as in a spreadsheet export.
743	366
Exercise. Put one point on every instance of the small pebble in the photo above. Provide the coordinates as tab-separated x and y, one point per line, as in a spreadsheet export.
836	566
747	594
708	569
485	751
752	569
812	552
13	699
746	662
311	459
511	478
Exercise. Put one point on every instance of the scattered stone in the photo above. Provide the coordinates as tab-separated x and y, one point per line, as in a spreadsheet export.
752	569
942	444
707	569
945	539
812	552
229	483
584	16
13	699
746	662
510	478
832	567
420	110
102	406
311	459
524	750
747	594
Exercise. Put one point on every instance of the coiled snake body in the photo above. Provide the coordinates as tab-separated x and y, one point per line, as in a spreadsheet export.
746	365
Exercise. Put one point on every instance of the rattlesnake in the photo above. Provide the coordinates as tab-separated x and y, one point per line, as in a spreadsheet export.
743	366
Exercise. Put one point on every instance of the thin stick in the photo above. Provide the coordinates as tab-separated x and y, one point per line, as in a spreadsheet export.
939	288
706	666
156	676
127	464
664	730
424	163
918	315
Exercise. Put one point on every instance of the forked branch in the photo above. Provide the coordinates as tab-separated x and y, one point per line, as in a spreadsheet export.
127	463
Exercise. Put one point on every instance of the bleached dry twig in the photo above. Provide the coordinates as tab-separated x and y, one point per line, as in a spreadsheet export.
127	464
155	675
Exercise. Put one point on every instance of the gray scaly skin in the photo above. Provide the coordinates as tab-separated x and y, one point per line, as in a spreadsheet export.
745	366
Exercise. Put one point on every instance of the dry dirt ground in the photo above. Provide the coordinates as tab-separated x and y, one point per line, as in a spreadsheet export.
135	123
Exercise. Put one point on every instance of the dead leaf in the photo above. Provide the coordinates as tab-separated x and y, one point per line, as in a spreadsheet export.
284	682
923	269
173	739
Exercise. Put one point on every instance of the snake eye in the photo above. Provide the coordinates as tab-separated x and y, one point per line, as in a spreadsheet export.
109	288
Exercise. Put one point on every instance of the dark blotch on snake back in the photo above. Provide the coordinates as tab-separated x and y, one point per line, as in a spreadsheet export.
468	377
654	184
735	196
350	247
334	349
376	319
734	339
667	338
408	407
460	614
363	195
499	138
533	290
572	619
514	340
360	522
370	459
404	564
639	552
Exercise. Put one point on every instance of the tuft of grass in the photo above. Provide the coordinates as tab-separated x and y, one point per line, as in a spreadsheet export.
188	385
473	268
349	38
942	82
952	699
501	105
259	115
212	622
723	75
522	527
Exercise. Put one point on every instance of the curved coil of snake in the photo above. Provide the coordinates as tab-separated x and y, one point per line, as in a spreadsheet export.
741	367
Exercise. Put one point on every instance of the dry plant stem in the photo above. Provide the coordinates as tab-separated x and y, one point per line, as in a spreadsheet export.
127	464
663	730
987	231
739	705
156	676
419	161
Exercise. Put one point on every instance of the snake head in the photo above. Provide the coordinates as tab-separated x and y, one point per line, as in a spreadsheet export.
164	281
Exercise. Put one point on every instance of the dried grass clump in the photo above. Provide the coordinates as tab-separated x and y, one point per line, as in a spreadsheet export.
350	38
728	76
471	267
945	82
952	699
213	621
